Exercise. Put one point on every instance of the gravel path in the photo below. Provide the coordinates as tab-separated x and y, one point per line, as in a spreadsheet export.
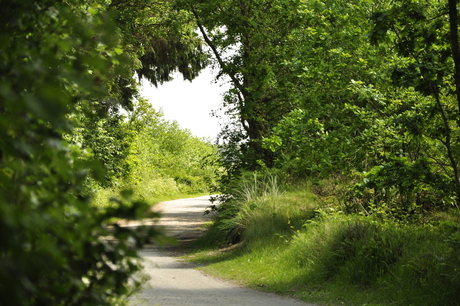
174	282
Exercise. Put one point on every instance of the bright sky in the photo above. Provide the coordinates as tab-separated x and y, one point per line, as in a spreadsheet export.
189	103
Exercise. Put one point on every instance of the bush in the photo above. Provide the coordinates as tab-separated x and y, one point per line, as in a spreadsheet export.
401	189
54	247
403	264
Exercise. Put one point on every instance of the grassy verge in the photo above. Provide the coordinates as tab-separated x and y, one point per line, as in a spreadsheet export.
153	193
164	198
293	243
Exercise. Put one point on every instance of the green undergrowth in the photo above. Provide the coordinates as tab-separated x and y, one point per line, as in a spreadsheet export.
293	243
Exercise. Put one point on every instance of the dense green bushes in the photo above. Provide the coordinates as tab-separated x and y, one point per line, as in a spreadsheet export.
344	89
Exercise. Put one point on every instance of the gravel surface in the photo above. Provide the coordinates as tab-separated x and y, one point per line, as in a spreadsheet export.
175	282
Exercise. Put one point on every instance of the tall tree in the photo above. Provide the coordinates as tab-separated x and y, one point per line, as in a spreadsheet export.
249	40
388	110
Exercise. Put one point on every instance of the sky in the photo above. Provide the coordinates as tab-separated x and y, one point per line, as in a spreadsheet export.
189	103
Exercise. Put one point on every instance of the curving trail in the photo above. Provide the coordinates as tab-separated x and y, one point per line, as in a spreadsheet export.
174	282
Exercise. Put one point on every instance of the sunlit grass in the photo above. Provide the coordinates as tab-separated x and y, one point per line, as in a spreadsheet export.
164	191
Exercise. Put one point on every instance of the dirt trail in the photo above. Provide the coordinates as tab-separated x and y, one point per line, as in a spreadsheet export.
174	282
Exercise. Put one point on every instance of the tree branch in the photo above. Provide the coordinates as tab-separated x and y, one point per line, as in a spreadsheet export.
221	62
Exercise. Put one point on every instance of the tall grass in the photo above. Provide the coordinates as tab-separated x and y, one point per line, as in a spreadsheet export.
254	210
257	187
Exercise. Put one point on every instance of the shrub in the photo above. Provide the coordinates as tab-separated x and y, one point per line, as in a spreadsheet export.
403	264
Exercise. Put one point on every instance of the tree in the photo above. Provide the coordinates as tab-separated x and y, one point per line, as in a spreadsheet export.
161	39
153	42
249	40
63	64
425	37
386	113
323	135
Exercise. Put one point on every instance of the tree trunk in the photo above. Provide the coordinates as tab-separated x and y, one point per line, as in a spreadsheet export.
454	45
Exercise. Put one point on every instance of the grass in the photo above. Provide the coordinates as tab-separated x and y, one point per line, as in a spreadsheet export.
292	243
153	192
167	197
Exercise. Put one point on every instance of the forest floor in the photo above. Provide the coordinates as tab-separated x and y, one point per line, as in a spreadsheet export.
173	281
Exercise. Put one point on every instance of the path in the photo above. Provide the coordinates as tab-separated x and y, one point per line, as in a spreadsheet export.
174	282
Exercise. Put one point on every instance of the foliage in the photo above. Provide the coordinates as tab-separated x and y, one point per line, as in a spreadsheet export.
66	68
162	147
108	141
371	95
367	95
428	51
154	42
162	159
52	246
249	41
160	39
402	263
321	135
